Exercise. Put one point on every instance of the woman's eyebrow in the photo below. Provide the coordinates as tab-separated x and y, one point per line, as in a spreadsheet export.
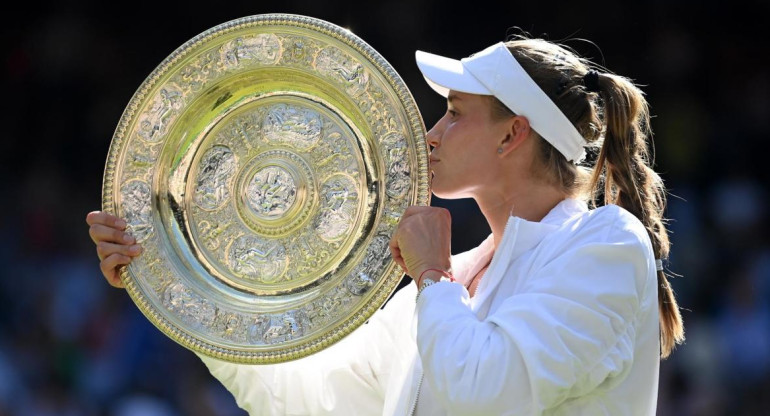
452	97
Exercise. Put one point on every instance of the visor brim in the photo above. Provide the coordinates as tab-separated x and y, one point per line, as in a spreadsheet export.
445	74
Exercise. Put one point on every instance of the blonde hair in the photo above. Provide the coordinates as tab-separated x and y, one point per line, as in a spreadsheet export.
615	121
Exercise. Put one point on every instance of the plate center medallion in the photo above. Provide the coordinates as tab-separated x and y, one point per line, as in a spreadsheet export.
271	192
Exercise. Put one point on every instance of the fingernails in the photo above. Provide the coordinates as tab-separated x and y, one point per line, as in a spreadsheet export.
128	238
120	224
135	248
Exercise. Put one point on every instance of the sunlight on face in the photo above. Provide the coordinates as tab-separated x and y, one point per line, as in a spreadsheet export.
464	145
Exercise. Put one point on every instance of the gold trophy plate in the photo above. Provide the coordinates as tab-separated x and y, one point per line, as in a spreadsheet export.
264	166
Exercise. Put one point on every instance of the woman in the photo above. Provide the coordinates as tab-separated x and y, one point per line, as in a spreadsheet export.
561	310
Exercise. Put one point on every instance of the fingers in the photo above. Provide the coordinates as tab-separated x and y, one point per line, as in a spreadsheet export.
419	209
99	232
395	251
105	249
110	265
422	237
114	246
105	218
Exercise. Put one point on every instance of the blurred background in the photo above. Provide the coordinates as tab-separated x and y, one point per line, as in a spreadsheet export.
72	345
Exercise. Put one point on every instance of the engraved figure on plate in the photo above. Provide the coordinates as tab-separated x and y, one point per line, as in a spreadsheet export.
210	232
256	330
284	327
308	253
296	126
337	157
175	297
271	192
341	67
263	49
212	184
339	200
244	131
361	280
188	305
136	202
298	50
257	259
227	324
154	122
398	171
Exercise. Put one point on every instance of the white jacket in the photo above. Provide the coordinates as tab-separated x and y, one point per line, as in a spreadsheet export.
564	322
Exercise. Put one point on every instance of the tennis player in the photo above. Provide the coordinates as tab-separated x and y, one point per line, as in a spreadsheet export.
563	310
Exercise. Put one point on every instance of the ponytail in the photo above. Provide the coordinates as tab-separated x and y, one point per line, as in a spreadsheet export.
612	116
623	176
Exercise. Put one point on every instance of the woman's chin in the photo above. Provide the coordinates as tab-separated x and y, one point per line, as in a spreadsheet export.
446	194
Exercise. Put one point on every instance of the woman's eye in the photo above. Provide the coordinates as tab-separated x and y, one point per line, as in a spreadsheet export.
452	113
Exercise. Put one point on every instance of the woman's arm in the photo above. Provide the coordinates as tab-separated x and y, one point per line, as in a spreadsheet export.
349	377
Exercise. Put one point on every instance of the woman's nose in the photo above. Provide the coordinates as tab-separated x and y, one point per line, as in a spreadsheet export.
434	135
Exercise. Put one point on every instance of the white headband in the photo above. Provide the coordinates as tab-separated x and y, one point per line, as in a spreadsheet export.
494	71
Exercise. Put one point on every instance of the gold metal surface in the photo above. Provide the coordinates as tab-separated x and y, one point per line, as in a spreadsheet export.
264	166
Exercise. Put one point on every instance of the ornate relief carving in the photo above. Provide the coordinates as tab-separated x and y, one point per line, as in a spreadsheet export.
257	259
163	109
271	192
297	127
137	208
214	180
338	207
341	67
264	49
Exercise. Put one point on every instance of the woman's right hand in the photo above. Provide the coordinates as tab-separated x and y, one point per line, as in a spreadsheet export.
114	246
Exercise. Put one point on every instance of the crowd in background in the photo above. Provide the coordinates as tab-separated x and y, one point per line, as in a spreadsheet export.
72	345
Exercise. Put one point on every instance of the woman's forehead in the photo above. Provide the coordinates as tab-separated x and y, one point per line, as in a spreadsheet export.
464	97
469	101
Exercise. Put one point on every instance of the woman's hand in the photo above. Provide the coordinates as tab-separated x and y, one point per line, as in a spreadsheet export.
114	246
423	240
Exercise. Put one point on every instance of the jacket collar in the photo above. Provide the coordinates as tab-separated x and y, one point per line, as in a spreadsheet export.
519	237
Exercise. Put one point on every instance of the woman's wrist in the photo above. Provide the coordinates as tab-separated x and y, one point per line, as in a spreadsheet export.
434	274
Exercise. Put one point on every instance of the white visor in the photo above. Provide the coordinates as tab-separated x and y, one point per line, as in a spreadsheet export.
494	71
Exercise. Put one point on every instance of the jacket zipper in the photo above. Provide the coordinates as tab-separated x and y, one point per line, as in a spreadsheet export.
417	396
422	376
493	262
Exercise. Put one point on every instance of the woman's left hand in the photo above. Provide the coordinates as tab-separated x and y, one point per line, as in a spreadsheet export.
422	240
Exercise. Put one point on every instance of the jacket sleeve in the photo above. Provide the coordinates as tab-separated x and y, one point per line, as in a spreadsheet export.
571	329
348	377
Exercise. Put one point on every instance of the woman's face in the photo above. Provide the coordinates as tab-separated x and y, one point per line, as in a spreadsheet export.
465	141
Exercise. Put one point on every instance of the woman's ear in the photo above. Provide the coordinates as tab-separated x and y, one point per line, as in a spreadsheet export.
516	132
